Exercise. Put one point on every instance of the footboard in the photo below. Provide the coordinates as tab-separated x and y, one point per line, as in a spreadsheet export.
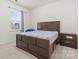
36	46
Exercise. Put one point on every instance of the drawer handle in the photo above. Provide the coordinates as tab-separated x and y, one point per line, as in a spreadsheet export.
67	42
21	40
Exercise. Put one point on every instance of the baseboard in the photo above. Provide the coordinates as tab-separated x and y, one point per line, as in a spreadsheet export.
6	42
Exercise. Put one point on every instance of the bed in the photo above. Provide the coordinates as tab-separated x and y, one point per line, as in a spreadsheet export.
40	43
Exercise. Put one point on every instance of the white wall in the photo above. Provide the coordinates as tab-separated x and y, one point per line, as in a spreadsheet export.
63	10
5	34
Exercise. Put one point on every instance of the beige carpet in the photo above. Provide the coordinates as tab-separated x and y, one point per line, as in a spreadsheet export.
10	51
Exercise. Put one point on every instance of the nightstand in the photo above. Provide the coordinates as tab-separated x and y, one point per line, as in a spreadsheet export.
69	40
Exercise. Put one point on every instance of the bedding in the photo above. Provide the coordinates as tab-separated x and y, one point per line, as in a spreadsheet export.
47	35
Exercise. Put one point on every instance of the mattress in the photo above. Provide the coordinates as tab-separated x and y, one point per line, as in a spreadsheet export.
48	35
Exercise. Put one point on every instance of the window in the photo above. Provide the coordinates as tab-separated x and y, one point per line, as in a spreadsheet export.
15	20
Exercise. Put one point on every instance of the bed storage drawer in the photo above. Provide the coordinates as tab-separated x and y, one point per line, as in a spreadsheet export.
39	50
21	41
32	40
18	37
43	43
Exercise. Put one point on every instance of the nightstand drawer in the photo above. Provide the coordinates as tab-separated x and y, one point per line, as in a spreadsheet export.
68	43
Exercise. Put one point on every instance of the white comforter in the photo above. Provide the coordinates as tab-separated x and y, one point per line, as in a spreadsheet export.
48	35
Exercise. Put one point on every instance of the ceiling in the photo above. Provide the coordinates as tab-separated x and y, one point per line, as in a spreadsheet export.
31	4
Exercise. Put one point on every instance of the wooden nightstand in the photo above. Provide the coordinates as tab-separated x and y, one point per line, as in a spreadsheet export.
69	40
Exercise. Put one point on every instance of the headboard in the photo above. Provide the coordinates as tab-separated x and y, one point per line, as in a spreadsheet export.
49	26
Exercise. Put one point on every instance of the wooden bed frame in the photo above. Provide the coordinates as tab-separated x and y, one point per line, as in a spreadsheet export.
36	46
